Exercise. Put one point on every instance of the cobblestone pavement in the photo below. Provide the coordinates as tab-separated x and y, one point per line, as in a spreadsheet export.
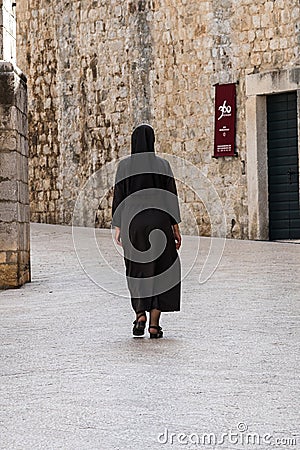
72	376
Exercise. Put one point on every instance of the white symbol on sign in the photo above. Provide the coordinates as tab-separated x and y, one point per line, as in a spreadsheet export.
225	110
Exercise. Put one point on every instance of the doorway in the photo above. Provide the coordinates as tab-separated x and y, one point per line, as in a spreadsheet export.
283	166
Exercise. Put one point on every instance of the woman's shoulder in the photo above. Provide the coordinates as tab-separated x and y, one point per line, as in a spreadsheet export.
164	164
142	163
123	164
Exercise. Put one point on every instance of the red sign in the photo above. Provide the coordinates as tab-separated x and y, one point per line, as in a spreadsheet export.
225	110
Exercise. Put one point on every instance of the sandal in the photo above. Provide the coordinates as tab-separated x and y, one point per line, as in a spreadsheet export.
157	335
139	325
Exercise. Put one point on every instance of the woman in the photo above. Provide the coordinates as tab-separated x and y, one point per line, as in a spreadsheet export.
146	215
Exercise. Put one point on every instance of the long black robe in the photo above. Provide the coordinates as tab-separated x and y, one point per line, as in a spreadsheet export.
145	199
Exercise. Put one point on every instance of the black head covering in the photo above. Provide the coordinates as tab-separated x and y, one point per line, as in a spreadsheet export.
142	139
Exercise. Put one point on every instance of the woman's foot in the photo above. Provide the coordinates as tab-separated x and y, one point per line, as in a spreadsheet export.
139	324
155	331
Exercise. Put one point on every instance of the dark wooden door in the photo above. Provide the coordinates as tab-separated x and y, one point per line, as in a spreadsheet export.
283	166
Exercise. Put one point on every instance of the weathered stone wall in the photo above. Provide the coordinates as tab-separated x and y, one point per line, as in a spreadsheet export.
98	68
14	198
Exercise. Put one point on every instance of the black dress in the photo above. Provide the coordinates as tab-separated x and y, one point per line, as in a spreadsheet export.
145	206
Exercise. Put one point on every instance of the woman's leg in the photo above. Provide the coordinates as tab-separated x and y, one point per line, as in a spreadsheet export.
139	323
141	316
154	319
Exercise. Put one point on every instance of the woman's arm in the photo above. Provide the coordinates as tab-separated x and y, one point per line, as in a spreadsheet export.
177	236
171	187
118	235
118	197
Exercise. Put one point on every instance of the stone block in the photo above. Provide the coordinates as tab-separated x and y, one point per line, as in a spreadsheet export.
9	276
54	195
8	140
12	257
24	273
7	87
20	121
23	193
26	246
8	212
8	165
9	236
20	94
8	117
9	190
51	206
22	168
21	236
23	257
22	145
23	213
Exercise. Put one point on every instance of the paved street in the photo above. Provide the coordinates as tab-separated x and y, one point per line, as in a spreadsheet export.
73	378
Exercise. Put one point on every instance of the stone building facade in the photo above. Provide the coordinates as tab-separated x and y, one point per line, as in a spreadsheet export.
14	196
98	68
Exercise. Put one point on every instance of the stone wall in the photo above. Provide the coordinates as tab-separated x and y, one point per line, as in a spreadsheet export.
14	198
97	68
